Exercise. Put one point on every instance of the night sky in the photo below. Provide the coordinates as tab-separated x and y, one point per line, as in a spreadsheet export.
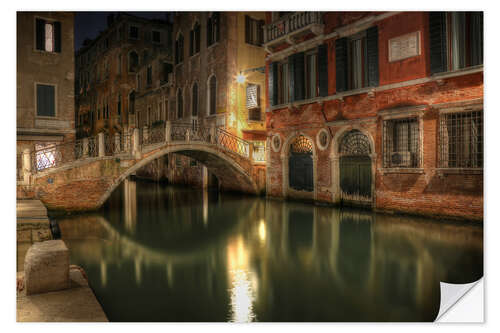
89	24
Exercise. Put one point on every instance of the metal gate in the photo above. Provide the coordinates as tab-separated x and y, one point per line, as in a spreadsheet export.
355	169
301	171
300	165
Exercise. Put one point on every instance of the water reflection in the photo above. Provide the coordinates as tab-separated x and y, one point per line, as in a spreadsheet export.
159	253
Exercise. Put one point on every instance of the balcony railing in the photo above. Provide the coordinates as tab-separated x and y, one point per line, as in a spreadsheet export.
289	24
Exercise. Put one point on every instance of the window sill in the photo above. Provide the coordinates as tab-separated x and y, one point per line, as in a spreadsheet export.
459	171
297	103
254	121
385	171
461	71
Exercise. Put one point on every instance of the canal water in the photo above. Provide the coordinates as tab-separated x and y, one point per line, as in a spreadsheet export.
164	253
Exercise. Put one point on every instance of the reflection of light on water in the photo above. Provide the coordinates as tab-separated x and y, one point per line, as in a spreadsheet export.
262	231
104	276
240	277
241	297
205	207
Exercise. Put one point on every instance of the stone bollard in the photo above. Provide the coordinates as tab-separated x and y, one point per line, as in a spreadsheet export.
85	147
117	143
102	147
168	131
27	165
46	267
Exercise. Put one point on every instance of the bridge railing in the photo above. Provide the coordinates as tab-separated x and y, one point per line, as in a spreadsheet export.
55	155
232	143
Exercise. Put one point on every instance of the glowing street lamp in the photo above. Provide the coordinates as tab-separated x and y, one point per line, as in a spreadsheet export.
241	77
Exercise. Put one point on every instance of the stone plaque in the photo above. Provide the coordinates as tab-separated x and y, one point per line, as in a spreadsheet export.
52	123
405	46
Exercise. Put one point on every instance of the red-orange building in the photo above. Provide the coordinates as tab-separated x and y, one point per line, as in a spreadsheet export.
383	109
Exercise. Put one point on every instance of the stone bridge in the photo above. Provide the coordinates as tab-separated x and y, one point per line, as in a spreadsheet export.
81	175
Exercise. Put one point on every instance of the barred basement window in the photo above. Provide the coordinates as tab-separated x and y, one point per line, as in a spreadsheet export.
461	140
401	143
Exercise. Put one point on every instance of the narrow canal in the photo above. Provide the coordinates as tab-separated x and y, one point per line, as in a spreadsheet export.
164	253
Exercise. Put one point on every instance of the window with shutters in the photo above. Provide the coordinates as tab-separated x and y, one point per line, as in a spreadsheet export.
283	83
133	32
180	104
194	41
461	139
456	40
212	95
156	36
254	32
45	100
48	35
253	102
401	143
179	49
357	60
311	79
213	28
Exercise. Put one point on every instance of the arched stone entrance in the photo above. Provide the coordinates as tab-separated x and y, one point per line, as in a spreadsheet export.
300	164
355	168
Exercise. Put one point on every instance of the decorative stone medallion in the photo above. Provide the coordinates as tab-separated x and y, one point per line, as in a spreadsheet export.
323	139
276	143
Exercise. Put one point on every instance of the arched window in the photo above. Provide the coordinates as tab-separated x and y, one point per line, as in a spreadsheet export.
212	95
300	164
213	29
354	143
194	103
194	41
179	49
133	61
180	104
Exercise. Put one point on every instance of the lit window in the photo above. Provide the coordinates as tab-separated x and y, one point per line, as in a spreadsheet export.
48	36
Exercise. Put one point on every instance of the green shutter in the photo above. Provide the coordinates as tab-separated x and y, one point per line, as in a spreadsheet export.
291	77
372	56
323	69
341	64
57	36
476	38
299	74
40	34
437	41
45	100
273	83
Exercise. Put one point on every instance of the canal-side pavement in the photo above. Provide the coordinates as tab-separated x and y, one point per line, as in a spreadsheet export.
76	304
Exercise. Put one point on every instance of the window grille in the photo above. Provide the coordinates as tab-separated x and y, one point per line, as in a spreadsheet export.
461	140
254	114
354	143
401	143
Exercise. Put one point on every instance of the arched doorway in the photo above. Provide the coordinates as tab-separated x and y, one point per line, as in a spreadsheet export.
300	164
355	168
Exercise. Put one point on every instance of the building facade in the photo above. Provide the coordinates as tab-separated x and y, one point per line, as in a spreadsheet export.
381	109
107	68
45	82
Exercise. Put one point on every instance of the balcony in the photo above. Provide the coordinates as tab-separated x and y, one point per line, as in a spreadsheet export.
292	29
